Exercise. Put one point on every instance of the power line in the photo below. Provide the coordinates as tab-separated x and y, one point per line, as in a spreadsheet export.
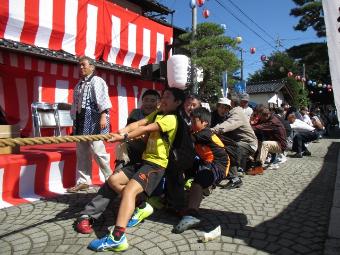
225	8
253	21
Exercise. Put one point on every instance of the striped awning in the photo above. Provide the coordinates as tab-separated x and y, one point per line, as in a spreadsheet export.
96	28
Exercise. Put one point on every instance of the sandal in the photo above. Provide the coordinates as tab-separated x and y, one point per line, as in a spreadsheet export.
79	187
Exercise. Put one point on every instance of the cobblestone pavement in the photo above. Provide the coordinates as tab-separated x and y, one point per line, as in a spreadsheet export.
284	211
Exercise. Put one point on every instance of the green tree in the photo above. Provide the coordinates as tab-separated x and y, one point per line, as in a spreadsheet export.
277	68
212	51
311	15
315	58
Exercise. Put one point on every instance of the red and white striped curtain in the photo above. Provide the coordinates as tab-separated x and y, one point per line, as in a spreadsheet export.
95	28
25	79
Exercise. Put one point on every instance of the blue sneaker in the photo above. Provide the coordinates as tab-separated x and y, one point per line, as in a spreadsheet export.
139	215
107	243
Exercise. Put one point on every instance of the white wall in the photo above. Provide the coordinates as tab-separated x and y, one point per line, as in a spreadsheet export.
266	98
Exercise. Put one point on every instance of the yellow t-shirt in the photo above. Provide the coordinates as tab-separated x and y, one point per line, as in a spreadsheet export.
157	149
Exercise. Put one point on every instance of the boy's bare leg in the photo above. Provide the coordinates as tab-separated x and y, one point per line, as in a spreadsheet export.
127	204
118	181
195	196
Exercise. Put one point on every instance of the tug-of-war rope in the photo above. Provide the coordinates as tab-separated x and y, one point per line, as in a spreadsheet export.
52	140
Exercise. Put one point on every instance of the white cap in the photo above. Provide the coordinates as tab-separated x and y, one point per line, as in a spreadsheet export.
224	100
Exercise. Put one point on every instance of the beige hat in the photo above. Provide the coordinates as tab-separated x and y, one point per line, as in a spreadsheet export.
224	100
244	97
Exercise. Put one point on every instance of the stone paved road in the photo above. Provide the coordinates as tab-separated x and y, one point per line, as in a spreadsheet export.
285	211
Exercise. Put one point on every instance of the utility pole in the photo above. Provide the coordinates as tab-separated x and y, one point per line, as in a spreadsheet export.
194	27
241	50
303	75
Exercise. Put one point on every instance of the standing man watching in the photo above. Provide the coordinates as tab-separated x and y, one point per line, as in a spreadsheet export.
90	112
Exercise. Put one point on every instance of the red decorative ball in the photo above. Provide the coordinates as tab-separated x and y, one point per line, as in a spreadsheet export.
200	2
252	50
290	74
298	77
206	13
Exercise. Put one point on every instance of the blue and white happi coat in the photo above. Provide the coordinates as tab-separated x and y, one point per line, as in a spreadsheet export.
90	99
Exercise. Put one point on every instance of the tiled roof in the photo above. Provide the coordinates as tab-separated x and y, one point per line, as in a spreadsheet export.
265	87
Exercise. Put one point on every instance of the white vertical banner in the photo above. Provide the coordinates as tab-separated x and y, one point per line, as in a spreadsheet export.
331	14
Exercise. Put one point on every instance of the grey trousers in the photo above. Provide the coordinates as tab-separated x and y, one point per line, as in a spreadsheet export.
98	204
85	150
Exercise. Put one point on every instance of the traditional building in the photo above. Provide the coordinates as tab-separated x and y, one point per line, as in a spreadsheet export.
269	93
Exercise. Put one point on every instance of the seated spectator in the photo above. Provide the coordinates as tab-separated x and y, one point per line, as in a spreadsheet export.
244	104
220	113
237	129
211	169
191	102
150	102
305	115
317	124
272	138
304	133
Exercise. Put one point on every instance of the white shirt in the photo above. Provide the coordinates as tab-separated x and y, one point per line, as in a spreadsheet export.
301	126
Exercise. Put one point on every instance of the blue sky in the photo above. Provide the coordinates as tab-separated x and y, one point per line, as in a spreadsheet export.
271	15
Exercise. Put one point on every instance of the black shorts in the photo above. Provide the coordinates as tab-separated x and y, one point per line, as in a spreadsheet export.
209	174
147	174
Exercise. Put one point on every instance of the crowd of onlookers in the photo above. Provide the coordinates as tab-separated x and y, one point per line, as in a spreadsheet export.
226	143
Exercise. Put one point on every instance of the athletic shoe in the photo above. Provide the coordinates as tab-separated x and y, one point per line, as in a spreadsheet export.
282	159
84	225
139	215
233	184
186	223
273	166
307	153
107	243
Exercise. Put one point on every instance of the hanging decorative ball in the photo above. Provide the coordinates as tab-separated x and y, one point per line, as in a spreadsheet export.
290	74
263	58
314	83
320	91
206	13
282	69
329	90
303	79
324	86
238	39
320	85
224	26
312	92
329	86
310	82
252	50
297	77
200	3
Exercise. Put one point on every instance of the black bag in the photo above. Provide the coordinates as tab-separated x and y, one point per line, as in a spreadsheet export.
182	152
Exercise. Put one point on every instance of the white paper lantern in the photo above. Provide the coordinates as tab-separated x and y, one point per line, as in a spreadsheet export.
178	71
